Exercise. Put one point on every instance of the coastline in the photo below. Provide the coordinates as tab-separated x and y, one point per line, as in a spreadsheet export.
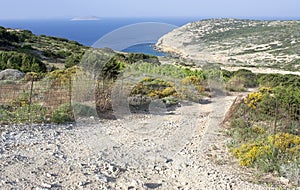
174	52
220	41
168	49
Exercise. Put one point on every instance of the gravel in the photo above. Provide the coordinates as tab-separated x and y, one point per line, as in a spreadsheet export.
183	150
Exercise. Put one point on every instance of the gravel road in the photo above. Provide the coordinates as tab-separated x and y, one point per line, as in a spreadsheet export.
180	150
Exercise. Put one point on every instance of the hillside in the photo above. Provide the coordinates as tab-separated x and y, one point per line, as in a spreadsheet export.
134	121
22	50
235	42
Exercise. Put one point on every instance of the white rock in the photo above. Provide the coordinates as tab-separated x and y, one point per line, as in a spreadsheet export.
112	168
284	180
46	185
134	183
41	188
102	178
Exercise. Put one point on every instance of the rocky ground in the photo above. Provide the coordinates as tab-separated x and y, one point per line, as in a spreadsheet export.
180	150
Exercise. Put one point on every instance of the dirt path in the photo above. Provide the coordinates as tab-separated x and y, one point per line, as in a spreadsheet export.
262	70
182	150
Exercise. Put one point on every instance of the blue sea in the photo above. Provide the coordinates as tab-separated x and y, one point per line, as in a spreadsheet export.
87	32
144	48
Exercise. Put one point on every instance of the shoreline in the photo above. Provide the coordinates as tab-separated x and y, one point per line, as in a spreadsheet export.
203	41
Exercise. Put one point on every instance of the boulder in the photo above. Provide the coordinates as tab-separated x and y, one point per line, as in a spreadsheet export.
11	74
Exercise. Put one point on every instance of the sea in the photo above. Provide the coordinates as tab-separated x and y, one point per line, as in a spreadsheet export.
88	32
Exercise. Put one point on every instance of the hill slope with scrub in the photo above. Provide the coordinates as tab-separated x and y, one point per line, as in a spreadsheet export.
236	42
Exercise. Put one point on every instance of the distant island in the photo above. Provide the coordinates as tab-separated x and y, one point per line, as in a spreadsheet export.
85	18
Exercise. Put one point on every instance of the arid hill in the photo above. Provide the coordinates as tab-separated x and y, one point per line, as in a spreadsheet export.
235	42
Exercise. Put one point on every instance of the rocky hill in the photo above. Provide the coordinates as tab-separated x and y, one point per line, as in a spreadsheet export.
237	42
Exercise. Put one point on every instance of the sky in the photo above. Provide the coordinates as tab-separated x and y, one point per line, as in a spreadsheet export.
48	9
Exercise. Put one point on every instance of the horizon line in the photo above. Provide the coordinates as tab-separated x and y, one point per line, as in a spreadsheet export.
159	17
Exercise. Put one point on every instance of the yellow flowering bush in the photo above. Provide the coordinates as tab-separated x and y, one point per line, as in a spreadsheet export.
154	87
270	140
147	79
154	93
21	101
286	142
258	130
193	81
248	153
252	99
168	91
265	90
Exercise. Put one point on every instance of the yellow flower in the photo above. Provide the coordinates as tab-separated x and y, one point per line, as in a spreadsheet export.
252	99
248	153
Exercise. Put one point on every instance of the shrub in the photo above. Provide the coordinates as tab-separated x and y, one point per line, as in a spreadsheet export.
192	80
286	143
240	80
170	101
247	154
168	91
269	153
72	60
253	99
23	114
81	110
249	78
24	62
63	114
154	87
265	130
30	113
273	80
236	84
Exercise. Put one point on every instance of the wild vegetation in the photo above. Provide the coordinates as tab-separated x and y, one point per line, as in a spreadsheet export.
238	42
265	131
157	83
22	50
264	128
21	61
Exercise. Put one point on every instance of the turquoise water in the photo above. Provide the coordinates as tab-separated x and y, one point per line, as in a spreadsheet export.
144	48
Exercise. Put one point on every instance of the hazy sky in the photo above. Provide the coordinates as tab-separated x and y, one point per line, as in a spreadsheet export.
40	9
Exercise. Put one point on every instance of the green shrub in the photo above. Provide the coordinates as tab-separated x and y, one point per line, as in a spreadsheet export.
236	84
170	101
81	110
227	75
154	87
25	62
23	114
30	113
265	130
72	60
250	79
239	81
63	114
5	116
273	80
269	153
